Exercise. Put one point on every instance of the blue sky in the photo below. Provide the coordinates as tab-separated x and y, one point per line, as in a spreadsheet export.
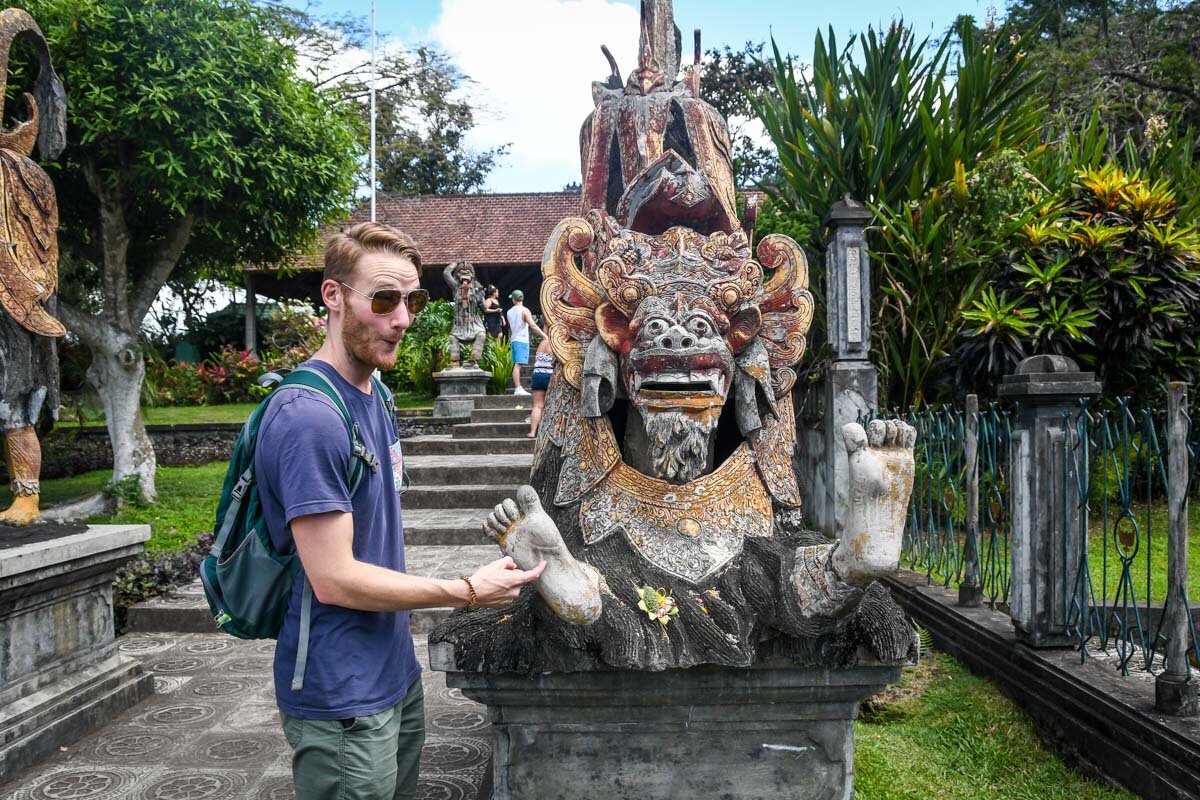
532	61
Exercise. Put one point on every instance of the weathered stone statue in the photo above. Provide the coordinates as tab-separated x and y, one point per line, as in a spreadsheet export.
663	495
28	269
468	312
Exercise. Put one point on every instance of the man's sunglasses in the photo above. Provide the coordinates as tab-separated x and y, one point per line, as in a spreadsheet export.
385	301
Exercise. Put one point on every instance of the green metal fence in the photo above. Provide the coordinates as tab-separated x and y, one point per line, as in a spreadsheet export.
1116	490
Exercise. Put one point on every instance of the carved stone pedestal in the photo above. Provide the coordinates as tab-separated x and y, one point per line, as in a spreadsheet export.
742	734
457	388
60	672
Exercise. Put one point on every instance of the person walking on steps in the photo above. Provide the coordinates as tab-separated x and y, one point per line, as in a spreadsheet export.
349	692
539	381
519	323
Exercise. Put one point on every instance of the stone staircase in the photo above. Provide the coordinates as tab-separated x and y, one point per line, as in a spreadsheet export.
456	480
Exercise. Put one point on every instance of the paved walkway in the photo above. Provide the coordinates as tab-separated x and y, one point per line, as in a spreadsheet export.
211	732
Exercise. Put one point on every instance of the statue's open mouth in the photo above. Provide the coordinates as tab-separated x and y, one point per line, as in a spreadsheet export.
673	378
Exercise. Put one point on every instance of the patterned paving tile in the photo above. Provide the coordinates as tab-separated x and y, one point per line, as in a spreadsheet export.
211	732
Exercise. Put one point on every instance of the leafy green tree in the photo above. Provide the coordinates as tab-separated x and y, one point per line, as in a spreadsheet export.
193	145
1136	63
422	118
731	81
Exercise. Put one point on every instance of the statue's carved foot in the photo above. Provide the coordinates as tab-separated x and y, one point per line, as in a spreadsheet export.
525	532
23	511
881	481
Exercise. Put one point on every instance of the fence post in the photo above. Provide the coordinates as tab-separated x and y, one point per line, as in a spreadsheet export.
970	592
1047	524
1173	692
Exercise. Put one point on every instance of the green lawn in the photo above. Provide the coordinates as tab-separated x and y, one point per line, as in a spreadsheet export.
234	412
944	733
186	505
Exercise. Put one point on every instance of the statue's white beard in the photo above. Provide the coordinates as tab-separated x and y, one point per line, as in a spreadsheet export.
678	445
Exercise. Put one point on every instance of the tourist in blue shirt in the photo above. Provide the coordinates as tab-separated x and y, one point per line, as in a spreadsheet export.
356	724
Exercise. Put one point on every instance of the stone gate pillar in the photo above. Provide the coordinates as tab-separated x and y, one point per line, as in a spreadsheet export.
1047	526
851	386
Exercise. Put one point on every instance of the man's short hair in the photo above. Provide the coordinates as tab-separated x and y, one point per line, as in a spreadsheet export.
343	250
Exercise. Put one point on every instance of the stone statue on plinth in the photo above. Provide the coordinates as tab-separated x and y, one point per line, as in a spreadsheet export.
664	500
468	330
28	270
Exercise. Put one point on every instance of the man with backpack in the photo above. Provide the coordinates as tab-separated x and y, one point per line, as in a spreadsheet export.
347	681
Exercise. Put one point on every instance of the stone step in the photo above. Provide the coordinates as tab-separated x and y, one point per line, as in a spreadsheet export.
458	527
488	415
185	610
457	496
491	430
504	401
447	445
511	468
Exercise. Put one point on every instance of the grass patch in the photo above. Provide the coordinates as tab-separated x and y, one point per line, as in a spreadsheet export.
186	415
943	732
187	501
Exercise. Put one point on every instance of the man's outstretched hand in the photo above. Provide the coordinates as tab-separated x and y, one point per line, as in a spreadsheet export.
497	584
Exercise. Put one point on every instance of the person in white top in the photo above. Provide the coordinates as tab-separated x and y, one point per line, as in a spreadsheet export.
519	322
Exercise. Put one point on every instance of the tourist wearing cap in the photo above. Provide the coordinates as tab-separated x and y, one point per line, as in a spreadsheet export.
519	322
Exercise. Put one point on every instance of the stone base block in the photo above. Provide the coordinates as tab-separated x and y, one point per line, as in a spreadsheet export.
457	389
1176	696
60	673
737	734
67	709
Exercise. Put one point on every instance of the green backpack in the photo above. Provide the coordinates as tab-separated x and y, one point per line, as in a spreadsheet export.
246	581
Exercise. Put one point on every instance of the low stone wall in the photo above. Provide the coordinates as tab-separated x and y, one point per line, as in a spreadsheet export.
71	451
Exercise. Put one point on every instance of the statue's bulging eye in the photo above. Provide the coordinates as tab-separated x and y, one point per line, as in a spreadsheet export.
700	327
656	327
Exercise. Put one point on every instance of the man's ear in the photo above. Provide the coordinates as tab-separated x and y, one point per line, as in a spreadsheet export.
331	295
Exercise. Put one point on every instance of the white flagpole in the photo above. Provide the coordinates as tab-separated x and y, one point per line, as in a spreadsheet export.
372	110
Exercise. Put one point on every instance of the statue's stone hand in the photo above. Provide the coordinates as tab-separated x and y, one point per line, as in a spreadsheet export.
881	481
526	533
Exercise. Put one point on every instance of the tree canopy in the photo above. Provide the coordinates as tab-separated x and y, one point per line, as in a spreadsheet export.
193	141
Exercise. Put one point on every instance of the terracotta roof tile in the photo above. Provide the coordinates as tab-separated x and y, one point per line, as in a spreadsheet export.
485	229
480	228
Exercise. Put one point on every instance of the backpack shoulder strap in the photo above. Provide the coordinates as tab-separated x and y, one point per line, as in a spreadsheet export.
308	378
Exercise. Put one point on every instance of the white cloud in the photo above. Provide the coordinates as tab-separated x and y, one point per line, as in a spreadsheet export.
533	62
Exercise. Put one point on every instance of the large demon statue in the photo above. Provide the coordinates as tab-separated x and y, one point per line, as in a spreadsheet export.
663	494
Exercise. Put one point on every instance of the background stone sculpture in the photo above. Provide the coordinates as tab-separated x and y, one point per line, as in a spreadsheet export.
28	269
468	328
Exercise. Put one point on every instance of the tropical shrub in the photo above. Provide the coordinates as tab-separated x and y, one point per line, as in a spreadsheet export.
1107	275
882	120
295	335
424	350
497	359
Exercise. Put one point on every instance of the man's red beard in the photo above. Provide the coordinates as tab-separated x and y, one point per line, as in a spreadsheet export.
360	342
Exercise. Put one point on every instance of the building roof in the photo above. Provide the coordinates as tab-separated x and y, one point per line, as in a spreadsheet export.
485	229
481	228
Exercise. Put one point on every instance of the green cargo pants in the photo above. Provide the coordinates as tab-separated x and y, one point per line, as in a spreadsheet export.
366	758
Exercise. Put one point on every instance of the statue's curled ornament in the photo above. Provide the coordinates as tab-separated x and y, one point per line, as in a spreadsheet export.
663	495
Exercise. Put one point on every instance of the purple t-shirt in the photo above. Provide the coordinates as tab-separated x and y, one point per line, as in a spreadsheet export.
359	662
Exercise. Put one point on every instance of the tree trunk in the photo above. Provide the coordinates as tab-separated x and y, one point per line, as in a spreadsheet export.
117	373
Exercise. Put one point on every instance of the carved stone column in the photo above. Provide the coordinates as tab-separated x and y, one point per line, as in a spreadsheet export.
851	386
1047	527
